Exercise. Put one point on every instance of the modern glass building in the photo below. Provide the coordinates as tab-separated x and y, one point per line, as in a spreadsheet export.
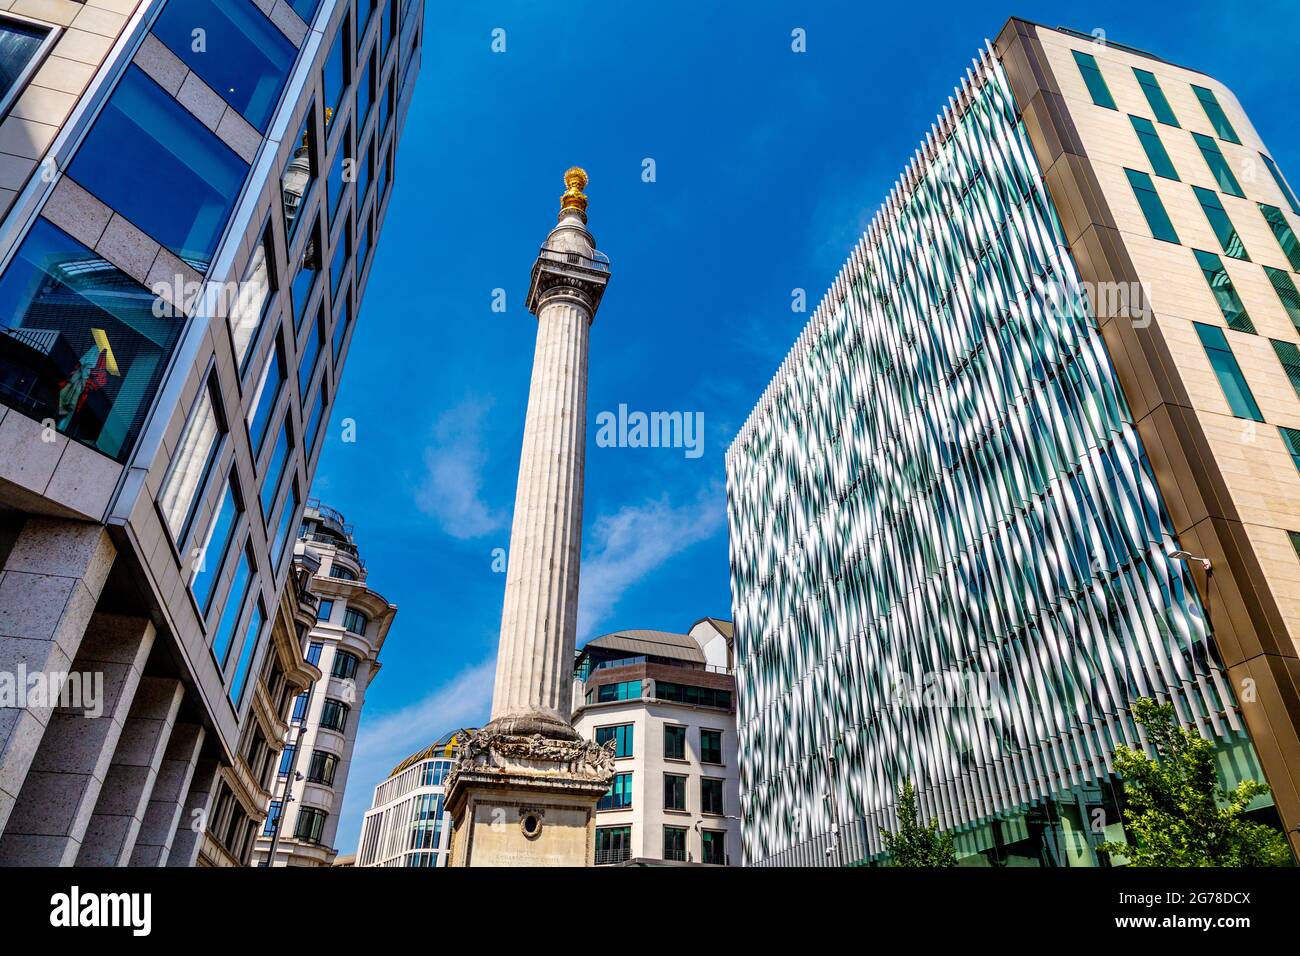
966	516
408	823
190	197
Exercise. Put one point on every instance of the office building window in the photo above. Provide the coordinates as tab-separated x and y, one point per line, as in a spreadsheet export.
1286	293
311	825
344	172
248	309
1095	82
193	463
321	767
1282	184
342	322
1154	210
334	715
1219	168
674	791
695	696
317	416
385	107
235	600
621	735
299	176
1220	223
244	57
247	652
286	759
433	773
1235	388
710	746
154	162
278	463
213	553
365	92
300	707
1156	97
340	262
1218	119
1289	356
711	795
1276	220
675	844
389	27
306	9
1161	164
272	818
365	171
311	350
623	690
713	847
19	45
313	653
613	845
384	168
345	665
81	344
1221	285
288	517
674	742
619	794
1291	439
304	280
324	609
268	396
334	77
355	621
342	573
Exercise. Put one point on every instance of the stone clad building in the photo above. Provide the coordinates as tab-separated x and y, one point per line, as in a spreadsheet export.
185	241
667	702
350	624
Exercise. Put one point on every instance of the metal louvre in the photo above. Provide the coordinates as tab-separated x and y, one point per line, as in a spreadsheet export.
941	485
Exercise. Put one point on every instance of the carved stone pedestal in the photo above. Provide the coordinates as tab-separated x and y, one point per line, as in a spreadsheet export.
526	799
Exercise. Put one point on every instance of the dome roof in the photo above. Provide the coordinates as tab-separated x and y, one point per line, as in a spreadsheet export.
444	746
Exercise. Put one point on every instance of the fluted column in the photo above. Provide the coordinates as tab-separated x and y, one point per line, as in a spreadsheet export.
539	618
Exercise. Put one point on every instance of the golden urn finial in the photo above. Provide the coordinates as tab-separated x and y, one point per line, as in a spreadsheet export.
575	178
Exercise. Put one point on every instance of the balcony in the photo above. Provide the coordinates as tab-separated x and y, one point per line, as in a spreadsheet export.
613	856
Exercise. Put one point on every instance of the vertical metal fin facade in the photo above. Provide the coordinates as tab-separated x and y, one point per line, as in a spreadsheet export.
948	553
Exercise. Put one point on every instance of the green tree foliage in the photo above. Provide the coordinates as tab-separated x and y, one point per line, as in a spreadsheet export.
915	844
1175	809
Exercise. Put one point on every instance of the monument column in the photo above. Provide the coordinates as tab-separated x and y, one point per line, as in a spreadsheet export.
528	769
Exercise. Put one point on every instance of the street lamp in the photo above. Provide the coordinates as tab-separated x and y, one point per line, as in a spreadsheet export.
1208	566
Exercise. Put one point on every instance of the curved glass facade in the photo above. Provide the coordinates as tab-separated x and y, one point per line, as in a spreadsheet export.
949	556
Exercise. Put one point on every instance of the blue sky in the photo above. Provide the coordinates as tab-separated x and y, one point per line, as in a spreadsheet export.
768	166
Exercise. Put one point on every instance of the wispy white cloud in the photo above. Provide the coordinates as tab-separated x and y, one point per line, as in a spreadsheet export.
625	546
387	739
452	489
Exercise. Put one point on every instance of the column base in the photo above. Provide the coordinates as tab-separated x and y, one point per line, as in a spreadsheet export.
527	799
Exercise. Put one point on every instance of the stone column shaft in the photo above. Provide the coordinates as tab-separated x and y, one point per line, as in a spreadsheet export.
49	819
167	801
113	828
194	815
539	618
48	589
